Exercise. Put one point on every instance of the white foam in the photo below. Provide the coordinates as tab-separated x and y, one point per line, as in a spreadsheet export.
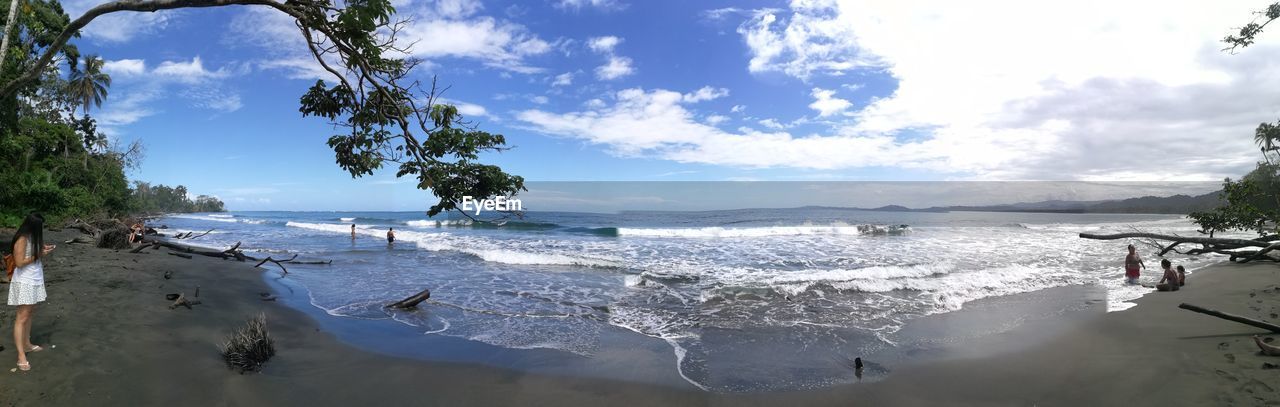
760	231
346	219
210	218
430	223
220	216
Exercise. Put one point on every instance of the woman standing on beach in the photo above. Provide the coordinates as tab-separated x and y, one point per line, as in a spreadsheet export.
27	287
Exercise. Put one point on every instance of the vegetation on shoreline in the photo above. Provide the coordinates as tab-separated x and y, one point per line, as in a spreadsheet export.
53	159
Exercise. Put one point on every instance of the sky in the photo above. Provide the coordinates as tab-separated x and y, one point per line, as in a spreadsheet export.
628	90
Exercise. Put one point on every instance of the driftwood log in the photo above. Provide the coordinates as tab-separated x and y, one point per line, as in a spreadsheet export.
1231	317
1235	248
277	262
84	227
412	301
182	301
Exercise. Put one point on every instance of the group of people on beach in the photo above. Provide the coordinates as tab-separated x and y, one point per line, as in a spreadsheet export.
1173	279
391	234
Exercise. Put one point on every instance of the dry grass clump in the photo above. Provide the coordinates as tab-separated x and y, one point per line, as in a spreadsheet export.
249	347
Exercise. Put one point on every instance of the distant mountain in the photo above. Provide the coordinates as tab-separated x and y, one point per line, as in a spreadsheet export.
1177	204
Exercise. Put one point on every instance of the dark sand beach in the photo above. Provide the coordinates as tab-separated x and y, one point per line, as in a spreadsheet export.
118	343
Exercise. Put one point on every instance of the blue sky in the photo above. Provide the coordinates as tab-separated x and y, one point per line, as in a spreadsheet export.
619	90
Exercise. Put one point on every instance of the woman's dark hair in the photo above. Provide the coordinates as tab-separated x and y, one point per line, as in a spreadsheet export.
33	228
1165	263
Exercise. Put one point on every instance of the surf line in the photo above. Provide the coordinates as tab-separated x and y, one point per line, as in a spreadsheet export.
500	203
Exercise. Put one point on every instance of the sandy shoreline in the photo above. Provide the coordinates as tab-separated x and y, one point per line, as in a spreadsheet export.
119	344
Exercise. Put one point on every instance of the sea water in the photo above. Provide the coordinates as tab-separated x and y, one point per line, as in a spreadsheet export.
718	286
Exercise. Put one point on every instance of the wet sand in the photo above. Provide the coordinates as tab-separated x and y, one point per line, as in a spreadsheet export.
118	343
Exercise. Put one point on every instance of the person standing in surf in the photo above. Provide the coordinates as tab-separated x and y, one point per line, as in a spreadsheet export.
1133	265
391	235
353	231
27	287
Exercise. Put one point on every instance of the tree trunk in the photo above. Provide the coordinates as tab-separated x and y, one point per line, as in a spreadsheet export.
8	27
412	301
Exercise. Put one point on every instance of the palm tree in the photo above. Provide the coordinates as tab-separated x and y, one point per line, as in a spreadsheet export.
1267	138
88	86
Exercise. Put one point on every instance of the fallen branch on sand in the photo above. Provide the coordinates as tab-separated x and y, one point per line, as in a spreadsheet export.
84	227
79	240
412	301
1230	247
277	262
1231	317
182	301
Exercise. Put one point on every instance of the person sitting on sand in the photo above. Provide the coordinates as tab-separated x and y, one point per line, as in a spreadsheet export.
27	288
391	235
1169	282
1132	262
1269	350
1182	276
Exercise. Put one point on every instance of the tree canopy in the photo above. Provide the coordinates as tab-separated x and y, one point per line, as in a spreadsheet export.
386	115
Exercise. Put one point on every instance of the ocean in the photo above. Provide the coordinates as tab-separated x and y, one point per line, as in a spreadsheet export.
718	287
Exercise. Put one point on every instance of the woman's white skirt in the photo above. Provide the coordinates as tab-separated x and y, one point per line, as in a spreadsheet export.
26	294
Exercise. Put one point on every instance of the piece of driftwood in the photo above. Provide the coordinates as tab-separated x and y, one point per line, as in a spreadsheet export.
84	227
412	301
1239	250
321	262
182	255
1231	317
182	301
191	235
231	253
277	262
79	240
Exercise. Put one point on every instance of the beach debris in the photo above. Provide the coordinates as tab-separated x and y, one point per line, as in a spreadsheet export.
171	297
412	301
264	294
1231	317
1269	350
115	238
182	255
182	301
1261	246
79	240
153	246
168	274
249	347
191	235
84	227
277	262
269	298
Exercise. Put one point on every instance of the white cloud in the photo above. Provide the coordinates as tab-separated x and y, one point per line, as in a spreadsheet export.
705	93
124	67
120	27
1069	95
188	72
564	79
542	100
827	104
772	123
616	67
658	124
606	5
494	43
738	108
716	119
603	45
